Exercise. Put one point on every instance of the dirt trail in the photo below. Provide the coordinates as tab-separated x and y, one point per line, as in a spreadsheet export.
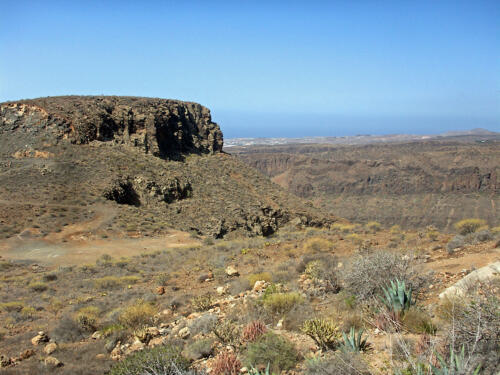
87	251
76	244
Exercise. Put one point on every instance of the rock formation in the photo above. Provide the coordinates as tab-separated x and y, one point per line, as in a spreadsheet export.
162	127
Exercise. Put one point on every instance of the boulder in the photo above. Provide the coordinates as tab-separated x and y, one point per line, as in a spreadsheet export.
483	274
231	271
53	362
40	338
259	286
50	348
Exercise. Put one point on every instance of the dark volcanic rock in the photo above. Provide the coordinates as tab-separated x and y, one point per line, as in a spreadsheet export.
162	127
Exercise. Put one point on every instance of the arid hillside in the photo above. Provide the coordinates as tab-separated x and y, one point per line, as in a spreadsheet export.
105	166
412	184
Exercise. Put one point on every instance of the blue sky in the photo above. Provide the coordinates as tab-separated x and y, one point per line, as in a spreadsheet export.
268	68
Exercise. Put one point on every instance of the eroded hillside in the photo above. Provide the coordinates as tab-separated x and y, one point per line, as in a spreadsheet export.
129	166
410	184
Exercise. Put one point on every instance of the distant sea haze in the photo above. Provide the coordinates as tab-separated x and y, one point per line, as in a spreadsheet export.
253	125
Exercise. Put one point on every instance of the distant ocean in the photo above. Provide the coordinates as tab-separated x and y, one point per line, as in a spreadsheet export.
252	125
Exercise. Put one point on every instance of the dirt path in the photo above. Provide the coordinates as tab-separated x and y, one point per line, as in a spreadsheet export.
76	245
81	252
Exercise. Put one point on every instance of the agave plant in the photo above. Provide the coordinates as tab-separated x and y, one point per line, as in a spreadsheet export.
457	365
254	371
354	342
397	297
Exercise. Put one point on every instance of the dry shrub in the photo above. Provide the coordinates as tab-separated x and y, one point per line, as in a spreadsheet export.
417	321
227	332
366	274
38	286
87	318
253	331
139	314
339	363
473	320
111	282
318	244
226	363
373	226
272	350
468	226
281	303
165	360
13	306
203	302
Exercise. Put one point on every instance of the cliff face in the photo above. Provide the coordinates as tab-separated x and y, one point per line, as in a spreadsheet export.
161	127
411	184
68	160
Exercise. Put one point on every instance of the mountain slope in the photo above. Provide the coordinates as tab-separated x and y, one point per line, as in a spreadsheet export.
145	164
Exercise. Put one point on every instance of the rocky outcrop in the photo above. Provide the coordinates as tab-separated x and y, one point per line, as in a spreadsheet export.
162	127
139	191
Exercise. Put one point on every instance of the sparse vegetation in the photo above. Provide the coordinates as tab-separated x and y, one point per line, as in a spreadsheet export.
354	341
226	363
273	350
253	331
468	226
164	360
138	314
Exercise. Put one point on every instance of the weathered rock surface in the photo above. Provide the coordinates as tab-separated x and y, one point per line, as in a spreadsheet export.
480	275
162	127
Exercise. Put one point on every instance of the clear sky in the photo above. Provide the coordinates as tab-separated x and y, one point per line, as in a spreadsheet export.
268	68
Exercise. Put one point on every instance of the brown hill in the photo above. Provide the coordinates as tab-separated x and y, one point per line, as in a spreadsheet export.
135	166
410	184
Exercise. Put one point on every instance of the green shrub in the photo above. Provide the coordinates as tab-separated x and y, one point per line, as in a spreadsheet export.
324	332
111	282
161	360
468	226
139	314
373	226
12	306
281	303
273	350
38	286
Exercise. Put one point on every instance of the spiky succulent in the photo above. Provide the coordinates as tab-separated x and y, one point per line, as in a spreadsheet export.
354	342
397	297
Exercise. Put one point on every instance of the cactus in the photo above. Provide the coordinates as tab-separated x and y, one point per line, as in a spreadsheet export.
323	331
354	342
397	297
